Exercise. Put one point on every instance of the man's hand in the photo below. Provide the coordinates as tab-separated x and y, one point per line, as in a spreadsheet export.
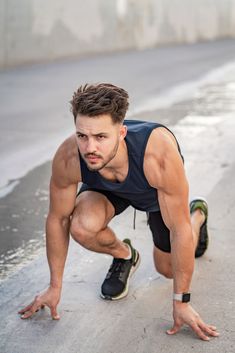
49	298
183	313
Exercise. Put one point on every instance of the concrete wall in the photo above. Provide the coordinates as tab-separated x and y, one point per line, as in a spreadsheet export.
36	30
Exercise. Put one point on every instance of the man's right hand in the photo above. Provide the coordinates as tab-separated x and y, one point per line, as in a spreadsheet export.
50	298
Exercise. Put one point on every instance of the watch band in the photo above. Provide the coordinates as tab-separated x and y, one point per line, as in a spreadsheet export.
183	297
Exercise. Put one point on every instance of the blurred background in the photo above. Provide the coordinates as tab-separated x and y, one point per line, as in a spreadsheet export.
34	31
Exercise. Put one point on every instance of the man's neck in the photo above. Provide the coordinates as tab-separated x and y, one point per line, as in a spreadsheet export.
117	169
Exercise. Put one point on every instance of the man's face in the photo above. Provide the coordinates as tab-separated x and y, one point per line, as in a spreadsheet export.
98	139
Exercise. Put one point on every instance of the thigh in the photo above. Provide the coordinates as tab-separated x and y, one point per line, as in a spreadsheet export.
160	232
94	208
93	211
119	204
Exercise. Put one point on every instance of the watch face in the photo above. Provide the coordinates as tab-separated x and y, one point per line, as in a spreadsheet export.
186	298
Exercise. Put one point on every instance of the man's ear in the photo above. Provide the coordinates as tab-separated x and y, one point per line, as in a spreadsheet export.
123	132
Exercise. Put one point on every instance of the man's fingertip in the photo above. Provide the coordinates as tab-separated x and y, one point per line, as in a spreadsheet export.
169	332
57	317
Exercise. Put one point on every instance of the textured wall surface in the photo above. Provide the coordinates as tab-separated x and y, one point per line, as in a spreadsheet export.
35	30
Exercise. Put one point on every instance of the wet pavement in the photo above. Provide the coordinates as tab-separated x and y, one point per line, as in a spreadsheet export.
22	220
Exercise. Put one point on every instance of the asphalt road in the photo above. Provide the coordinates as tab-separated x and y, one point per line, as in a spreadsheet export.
35	116
202	117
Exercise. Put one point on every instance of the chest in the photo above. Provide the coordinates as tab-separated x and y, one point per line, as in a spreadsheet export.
115	175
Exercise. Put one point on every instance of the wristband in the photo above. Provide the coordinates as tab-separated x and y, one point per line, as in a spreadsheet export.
183	298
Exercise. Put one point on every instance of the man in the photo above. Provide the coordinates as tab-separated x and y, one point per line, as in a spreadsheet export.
122	163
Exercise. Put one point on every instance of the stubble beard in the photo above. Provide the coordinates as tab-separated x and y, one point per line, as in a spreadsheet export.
108	159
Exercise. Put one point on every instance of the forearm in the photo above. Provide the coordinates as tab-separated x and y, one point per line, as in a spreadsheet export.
182	257
57	242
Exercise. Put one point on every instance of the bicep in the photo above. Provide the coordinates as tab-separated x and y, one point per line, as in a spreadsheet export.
62	199
168	177
174	205
64	180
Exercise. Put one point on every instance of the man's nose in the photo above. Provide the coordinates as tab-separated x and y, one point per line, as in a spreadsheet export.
91	146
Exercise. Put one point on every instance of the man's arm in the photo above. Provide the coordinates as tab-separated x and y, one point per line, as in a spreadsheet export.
63	189
62	201
164	170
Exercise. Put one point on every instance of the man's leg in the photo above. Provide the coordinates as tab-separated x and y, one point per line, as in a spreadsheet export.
89	225
162	258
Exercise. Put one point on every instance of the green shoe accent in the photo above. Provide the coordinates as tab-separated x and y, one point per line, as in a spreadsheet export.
203	241
133	251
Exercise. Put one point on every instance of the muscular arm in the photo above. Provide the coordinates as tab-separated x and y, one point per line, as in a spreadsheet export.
62	201
63	189
173	201
164	170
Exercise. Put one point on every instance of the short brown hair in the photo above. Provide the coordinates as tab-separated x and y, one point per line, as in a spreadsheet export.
102	98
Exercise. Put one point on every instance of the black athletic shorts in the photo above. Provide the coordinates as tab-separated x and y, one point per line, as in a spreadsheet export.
160	232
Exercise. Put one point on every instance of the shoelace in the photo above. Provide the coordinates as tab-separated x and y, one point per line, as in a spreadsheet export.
117	267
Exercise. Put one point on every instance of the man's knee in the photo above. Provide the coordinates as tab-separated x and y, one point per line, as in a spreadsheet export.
82	232
162	262
78	233
91	215
164	270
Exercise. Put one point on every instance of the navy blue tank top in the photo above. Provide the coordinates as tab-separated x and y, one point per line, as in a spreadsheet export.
135	187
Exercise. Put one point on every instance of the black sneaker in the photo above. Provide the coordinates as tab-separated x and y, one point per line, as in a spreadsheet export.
116	283
203	241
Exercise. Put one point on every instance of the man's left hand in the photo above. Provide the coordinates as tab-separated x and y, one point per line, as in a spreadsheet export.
183	313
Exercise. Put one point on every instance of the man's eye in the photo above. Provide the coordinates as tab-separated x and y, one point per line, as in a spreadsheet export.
100	137
81	136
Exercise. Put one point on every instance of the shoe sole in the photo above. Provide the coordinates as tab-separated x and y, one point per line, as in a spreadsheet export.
126	290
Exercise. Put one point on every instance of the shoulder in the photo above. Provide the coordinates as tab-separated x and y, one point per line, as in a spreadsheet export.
65	165
161	141
161	157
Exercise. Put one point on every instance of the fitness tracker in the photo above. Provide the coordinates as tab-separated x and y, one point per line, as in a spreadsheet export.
184	297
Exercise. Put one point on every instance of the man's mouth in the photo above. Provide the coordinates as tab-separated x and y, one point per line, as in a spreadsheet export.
92	157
